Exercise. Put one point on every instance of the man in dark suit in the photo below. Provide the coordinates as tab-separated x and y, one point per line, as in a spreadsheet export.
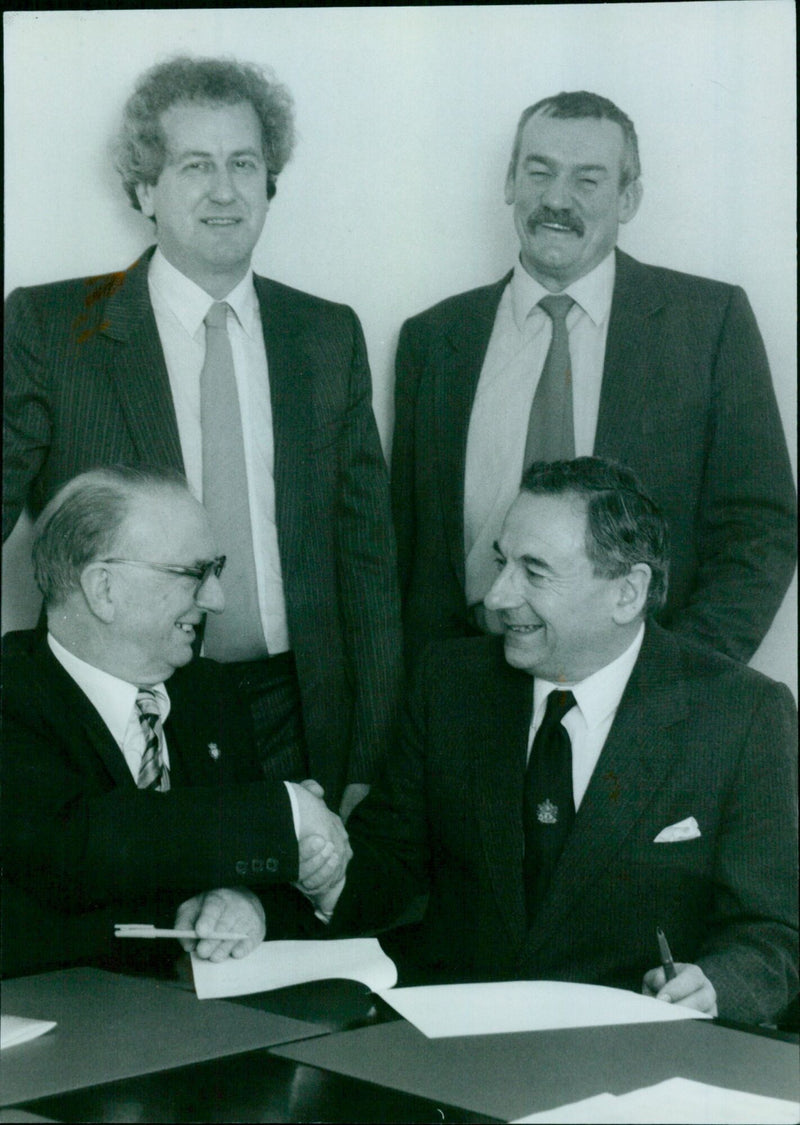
664	372
277	436
121	797
662	792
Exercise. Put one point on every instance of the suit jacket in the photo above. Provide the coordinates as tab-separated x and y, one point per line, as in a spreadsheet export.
695	735
686	402
86	384
84	848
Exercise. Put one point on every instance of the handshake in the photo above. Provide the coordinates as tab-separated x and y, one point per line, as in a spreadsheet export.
323	846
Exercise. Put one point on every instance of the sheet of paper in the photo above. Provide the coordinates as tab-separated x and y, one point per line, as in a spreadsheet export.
527	1005
674	1102
19	1029
276	964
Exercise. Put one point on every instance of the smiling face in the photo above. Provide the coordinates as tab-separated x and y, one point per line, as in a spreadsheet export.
566	196
560	621
210	201
156	614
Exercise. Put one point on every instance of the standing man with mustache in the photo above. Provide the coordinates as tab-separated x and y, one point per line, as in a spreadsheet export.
580	350
259	394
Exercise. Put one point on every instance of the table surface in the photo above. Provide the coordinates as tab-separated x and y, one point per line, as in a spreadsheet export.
230	1083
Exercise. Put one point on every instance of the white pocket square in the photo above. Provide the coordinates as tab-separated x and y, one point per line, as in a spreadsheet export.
687	829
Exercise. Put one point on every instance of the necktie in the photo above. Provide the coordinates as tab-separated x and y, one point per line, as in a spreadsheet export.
551	430
237	633
153	774
548	805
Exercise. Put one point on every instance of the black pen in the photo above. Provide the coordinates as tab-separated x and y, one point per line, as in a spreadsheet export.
666	956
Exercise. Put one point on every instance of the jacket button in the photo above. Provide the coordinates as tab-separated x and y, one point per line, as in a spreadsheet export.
272	864
241	867
257	866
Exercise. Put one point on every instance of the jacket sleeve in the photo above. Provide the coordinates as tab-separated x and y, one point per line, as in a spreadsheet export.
27	423
750	955
367	574
746	514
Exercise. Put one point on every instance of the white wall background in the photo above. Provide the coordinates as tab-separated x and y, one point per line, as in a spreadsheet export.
405	117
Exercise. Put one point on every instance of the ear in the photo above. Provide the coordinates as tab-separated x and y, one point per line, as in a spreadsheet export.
629	199
98	591
144	193
510	185
632	593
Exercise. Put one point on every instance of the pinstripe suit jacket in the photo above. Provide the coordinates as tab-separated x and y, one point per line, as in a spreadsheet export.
686	402
695	735
86	384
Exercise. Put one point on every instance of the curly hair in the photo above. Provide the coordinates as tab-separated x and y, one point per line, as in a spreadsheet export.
141	148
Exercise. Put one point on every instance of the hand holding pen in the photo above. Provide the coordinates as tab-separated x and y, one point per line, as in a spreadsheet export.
679	983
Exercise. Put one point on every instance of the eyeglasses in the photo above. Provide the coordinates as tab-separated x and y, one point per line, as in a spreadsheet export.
200	573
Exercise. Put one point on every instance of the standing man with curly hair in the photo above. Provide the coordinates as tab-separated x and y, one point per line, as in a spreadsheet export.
260	394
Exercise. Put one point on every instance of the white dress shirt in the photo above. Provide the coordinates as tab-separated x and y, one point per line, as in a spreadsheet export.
115	702
180	307
499	421
597	698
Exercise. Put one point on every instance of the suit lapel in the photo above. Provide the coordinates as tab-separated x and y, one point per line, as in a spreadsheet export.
137	367
632	346
463	350
635	761
499	726
289	342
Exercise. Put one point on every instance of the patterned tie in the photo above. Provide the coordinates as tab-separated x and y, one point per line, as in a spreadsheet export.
235	634
153	774
548	804
551	430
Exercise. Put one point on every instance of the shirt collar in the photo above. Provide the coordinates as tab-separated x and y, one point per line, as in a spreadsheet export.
190	303
598	696
112	698
593	292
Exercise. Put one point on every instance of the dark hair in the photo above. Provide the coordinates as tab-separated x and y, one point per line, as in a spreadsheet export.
583	104
141	149
623	525
82	521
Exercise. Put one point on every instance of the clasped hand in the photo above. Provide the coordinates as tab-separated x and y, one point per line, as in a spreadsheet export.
324	849
690	987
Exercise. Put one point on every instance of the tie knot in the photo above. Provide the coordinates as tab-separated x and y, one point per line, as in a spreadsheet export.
217	315
148	704
558	703
557	307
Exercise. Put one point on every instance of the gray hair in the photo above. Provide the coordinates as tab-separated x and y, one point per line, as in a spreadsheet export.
81	523
579	104
141	149
624	526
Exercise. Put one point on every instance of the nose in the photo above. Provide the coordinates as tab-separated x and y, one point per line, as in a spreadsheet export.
555	193
210	596
504	593
221	188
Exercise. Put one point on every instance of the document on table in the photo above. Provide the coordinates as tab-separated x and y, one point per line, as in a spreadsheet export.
673	1102
276	964
525	1005
19	1029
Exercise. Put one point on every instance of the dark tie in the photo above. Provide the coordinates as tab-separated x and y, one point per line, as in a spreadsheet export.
548	804
235	634
153	774
551	430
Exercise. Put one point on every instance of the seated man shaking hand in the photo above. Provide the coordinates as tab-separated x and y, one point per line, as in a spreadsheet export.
561	791
125	798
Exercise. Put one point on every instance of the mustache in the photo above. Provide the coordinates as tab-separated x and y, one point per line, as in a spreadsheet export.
564	218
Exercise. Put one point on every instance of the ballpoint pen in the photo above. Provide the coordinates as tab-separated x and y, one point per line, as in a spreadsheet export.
142	930
666	956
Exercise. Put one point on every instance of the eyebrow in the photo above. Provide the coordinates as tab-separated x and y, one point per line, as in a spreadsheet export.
534	158
186	153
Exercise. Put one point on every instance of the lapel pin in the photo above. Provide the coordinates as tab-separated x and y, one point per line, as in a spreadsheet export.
214	750
547	812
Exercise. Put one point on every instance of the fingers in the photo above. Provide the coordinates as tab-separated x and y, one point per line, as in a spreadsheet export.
185	918
690	988
229	910
319	863
313	787
353	795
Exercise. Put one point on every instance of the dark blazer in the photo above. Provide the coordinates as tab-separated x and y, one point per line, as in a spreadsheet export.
84	848
695	735
686	402
86	384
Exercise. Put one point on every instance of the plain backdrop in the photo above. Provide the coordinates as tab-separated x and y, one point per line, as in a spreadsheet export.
405	116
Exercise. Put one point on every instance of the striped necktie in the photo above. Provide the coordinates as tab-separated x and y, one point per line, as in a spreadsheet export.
153	774
551	430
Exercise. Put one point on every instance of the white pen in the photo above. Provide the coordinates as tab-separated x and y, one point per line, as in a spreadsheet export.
143	930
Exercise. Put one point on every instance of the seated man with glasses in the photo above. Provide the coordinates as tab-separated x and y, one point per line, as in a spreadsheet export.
123	799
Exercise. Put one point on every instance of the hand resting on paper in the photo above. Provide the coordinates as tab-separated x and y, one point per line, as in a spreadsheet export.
226	910
690	987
